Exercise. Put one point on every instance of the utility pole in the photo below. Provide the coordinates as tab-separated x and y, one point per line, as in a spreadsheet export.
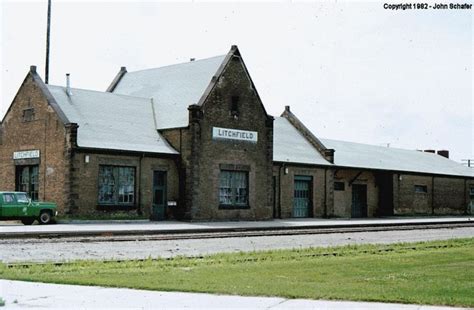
468	162
48	31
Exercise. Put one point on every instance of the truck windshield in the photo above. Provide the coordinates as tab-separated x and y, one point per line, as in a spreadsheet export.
21	198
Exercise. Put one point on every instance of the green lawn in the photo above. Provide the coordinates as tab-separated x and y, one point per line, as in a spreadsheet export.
439	273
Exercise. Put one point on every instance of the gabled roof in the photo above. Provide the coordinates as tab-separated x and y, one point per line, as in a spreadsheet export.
358	155
111	121
289	145
44	90
292	146
173	88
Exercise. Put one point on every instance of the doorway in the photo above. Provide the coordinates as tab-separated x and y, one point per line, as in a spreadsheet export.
471	204
302	197
26	180
359	200
158	212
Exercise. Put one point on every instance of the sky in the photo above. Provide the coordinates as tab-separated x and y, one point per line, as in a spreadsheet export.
350	71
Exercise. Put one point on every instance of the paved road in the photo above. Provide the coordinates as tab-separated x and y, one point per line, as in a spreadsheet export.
40	250
21	295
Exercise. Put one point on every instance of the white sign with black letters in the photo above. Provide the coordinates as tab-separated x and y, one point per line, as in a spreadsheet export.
26	154
234	134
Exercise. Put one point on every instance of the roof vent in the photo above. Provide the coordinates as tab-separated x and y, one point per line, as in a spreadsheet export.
444	153
192	59
68	85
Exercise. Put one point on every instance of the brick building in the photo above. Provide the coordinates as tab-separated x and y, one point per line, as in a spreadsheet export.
193	141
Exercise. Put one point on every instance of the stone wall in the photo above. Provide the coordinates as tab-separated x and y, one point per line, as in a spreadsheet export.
208	156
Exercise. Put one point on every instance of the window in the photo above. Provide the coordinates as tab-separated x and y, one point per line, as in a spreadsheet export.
233	188
116	185
234	106
28	115
8	198
339	186
421	189
471	192
21	198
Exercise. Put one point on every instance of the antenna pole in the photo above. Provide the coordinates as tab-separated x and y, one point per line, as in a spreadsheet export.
48	31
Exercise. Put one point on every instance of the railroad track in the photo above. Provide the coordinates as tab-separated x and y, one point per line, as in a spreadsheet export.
117	236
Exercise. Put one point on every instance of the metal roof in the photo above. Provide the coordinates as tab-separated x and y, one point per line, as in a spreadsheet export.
289	145
173	88
111	121
358	155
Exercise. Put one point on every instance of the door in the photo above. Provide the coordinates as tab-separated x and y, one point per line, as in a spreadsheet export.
159	196
27	180
359	200
302	195
9	205
471	196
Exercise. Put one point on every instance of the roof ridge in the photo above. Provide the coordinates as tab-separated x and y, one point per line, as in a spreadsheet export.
378	146
177	64
98	91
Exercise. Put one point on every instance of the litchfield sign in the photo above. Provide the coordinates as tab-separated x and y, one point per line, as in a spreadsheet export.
26	154
234	134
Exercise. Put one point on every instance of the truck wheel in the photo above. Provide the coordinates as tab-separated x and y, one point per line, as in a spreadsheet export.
45	217
27	221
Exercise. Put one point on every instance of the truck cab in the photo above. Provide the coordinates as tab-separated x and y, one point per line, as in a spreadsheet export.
18	206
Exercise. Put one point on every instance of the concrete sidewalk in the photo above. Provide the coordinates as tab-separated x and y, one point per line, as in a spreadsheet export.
19	294
168	227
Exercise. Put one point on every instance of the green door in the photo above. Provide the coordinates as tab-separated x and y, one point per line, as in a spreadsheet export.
359	200
159	196
471	204
9	205
301	199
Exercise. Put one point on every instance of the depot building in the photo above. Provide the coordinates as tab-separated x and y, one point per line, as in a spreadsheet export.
193	141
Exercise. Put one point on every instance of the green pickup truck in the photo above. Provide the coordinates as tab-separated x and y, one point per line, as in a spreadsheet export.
17	206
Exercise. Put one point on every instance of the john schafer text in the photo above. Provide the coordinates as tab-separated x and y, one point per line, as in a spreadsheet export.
427	6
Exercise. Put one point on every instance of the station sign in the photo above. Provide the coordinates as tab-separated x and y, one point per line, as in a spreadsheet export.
234	134
26	154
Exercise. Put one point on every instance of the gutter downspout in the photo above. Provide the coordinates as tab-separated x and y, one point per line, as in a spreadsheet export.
279	190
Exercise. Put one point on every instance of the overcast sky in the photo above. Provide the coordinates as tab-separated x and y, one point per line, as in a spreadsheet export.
349	70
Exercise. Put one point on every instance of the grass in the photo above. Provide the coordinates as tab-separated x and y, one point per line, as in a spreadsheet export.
437	273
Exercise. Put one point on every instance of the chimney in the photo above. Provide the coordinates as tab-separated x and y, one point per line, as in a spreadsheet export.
287	108
192	59
33	69
68	85
444	153
430	151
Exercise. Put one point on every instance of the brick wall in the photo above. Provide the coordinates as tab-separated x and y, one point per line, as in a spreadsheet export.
85	179
46	133
343	199
321	191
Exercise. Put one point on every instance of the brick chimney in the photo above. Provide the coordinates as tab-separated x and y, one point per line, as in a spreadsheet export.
444	153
